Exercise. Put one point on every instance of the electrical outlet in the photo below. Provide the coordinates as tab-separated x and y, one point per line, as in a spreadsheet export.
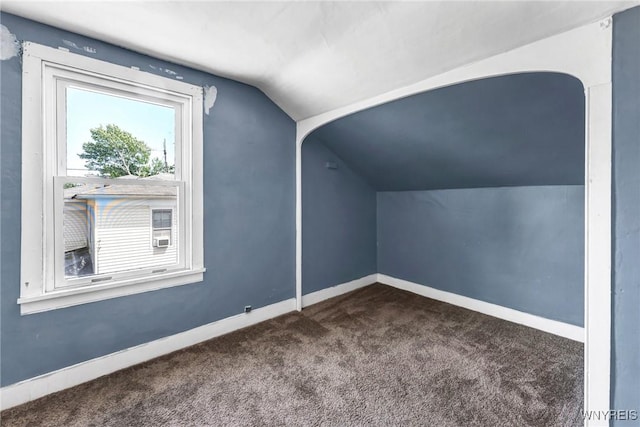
247	308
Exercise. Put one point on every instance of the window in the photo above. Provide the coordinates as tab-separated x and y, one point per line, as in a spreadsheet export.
111	181
162	223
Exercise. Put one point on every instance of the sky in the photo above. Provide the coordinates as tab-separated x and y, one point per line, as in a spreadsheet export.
86	110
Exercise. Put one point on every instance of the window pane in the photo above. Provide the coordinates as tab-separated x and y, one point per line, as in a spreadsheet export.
107	228
157	218
161	218
110	136
78	259
166	219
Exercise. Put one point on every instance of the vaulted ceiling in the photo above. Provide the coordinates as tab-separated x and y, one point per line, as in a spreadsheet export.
313	57
514	130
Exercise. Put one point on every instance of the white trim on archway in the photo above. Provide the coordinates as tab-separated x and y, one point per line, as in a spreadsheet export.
585	53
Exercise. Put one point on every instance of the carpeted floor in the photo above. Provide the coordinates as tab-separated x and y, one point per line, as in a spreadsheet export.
377	356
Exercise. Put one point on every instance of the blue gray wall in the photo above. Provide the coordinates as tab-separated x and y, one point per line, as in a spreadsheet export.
513	233
625	381
249	202
513	130
518	247
339	220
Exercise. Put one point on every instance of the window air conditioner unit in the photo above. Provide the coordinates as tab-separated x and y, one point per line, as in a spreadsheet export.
161	242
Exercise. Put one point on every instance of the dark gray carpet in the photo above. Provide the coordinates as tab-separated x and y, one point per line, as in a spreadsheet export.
377	356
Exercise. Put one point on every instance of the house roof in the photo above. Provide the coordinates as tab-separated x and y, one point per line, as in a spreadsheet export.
92	191
314	57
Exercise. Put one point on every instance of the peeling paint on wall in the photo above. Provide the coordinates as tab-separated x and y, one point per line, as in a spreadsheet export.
166	71
72	45
9	44
210	95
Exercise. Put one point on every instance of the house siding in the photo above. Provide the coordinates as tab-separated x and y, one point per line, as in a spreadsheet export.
76	228
124	236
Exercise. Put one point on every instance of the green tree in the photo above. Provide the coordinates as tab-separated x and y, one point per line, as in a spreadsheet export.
115	152
155	167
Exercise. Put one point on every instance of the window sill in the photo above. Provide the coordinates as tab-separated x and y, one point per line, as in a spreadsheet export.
70	297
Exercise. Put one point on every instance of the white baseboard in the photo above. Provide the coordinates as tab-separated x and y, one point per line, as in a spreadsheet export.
70	376
555	327
334	291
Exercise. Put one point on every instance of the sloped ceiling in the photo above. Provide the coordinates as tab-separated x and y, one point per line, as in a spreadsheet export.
514	130
313	57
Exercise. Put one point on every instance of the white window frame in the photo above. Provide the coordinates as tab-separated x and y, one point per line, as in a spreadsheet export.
46	74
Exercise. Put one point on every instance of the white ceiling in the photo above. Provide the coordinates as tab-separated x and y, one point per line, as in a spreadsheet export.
313	57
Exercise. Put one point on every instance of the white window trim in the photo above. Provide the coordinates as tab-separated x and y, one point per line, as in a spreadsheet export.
39	168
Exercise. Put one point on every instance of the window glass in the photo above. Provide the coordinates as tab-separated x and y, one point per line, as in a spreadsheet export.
78	235
107	229
162	218
106	226
112	136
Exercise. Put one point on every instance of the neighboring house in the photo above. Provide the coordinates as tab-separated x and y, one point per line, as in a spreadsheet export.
111	228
